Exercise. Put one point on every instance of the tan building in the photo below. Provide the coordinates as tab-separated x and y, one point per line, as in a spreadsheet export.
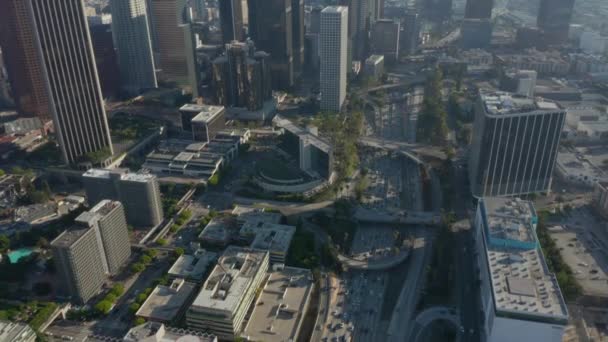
175	46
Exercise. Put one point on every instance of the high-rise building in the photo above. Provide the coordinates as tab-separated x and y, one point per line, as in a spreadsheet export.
476	33
438	10
77	256
132	36
139	193
24	66
271	28
385	39
554	20
479	9
175	48
231	20
515	141
312	38
63	44
228	293
108	218
333	46
297	9
6	98
203	121
410	34
520	297
200	9
16	332
242	77
105	59
358	27
97	244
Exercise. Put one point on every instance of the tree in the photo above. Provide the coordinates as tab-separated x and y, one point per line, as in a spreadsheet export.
5	243
133	308
145	259
103	307
137	267
139	321
214	180
118	289
42	243
141	298
151	252
178	251
161	242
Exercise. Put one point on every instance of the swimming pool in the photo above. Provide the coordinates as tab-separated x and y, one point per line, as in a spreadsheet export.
16	255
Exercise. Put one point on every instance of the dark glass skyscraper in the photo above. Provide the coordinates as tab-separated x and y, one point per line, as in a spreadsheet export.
231	20
271	28
479	9
554	19
297	9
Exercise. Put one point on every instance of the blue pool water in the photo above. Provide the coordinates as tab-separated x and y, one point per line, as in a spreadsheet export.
16	255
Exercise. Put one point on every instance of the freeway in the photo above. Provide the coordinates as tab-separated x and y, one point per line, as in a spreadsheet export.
414	151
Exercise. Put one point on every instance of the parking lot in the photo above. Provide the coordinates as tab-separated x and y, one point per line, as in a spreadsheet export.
582	241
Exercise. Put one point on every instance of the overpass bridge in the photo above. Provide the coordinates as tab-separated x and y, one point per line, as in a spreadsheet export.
413	151
398	217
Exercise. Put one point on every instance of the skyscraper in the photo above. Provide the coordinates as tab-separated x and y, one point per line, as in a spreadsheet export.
385	39
554	19
333	46
438	10
271	28
24	66
231	20
64	48
410	34
479	9
174	44
515	141
297	9
132	36
241	77
358	27
105	59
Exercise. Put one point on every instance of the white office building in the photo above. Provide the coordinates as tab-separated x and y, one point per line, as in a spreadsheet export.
228	293
520	298
334	57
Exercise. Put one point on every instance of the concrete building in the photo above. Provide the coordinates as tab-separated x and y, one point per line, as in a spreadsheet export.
520	298
281	306
158	332
138	192
515	141
132	38
231	20
174	48
16	332
359	21
167	304
192	266
600	199
70	77
272	237
23	65
6	98
521	82
271	25
315	154
374	66
543	62
593	42
333	52
385	39
108	219
554	20
77	254
203	121
228	293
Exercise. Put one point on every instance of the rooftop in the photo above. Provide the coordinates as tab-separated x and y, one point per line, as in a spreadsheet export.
245	213
504	103
230	278
165	302
375	59
521	281
218	230
281	306
69	236
10	331
192	266
207	114
303	134
157	332
123	174
334	9
101	209
273	237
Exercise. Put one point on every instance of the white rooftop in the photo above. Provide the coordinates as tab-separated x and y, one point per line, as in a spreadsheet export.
281	307
165	302
273	237
230	279
192	266
521	281
124	174
334	9
207	113
504	103
302	133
